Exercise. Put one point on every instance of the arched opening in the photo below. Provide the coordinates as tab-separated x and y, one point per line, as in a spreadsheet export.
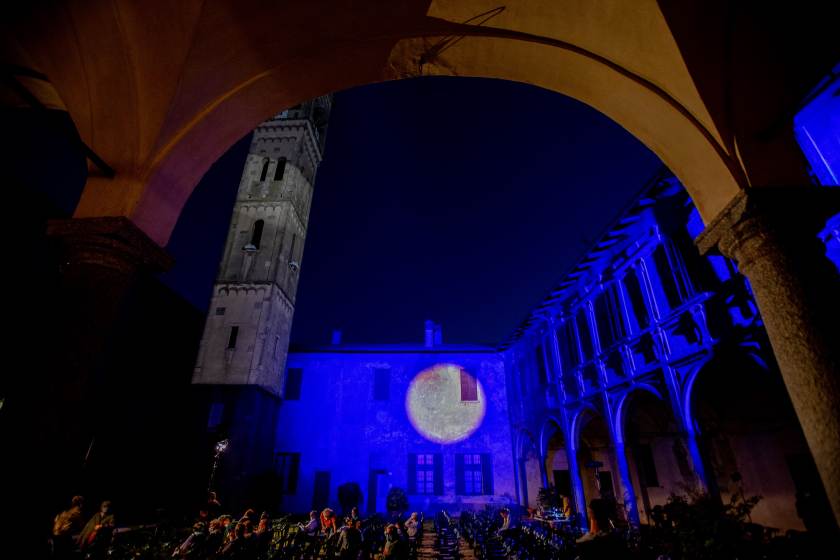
256	234
752	443
557	468
597	466
530	475
657	453
264	171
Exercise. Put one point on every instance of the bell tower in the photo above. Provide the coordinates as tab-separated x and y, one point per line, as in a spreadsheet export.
246	334
240	366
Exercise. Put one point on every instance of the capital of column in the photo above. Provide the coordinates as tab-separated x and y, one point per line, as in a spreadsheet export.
113	243
760	220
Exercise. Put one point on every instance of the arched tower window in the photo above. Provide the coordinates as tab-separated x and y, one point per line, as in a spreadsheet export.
280	169
264	170
256	236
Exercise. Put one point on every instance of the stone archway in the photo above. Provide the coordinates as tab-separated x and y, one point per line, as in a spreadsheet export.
597	465
752	443
160	91
180	83
657	453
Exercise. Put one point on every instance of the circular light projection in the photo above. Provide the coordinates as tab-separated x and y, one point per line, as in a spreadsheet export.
445	404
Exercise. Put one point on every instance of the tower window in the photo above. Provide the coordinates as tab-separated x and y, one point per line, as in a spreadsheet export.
469	387
381	384
256	235
294	380
234	334
280	170
264	170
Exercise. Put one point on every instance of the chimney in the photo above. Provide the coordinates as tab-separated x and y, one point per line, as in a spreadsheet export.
430	334
336	337
438	334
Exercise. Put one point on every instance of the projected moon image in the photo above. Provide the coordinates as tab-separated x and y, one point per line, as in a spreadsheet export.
445	403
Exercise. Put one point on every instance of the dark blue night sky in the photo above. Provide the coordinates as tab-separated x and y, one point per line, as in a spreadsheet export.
453	199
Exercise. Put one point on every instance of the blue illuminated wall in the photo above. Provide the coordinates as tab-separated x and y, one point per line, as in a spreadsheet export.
817	129
608	368
346	421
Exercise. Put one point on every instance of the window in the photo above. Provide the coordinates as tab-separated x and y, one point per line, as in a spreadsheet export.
286	465
234	334
637	299
294	380
583	331
264	171
670	275
542	374
568	345
292	249
220	311
473	474
280	170
215	416
608	316
425	473
256	236
381	384
469	387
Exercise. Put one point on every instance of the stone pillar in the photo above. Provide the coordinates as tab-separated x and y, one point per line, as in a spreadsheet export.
628	496
577	486
697	463
772	234
98	259
523	481
543	472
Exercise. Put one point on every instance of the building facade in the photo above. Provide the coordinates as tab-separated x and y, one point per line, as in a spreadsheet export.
647	371
431	420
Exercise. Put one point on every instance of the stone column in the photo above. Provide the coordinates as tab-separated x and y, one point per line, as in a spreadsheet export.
628	496
577	486
98	259
697	460
772	234
543	472
523	481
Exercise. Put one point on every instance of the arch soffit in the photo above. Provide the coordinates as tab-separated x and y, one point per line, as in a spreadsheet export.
621	409
549	427
525	442
748	354
591	52
579	418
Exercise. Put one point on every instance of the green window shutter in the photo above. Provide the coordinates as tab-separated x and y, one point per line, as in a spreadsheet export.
487	473
438	474
412	473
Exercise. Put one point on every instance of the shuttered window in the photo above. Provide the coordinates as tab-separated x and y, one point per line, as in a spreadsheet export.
473	474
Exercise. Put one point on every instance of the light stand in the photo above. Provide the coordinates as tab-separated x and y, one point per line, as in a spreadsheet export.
220	448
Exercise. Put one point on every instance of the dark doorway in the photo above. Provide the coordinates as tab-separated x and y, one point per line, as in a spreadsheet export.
605	480
563	482
373	489
321	495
